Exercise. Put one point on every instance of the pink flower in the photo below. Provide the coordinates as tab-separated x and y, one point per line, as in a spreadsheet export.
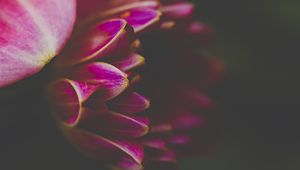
95	96
97	91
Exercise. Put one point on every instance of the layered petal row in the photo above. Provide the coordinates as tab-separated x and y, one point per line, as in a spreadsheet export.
97	94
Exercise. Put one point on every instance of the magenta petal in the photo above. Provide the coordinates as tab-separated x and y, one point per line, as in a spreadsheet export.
67	100
68	96
179	140
131	61
161	128
32	32
195	99
187	121
130	103
177	11
164	156
128	164
155	143
136	151
109	80
124	125
108	38
141	18
91	8
104	149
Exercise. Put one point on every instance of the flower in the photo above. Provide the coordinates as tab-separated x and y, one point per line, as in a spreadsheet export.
93	94
32	32
98	74
175	78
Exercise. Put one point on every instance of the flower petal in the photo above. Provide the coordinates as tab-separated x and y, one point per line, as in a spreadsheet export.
164	156
67	99
109	80
104	149
128	164
187	121
121	125
130	103
176	11
97	9
161	128
32	32
155	143
131	61
179	139
108	38
141	18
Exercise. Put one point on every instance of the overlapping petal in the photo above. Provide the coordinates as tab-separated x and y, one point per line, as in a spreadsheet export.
108	38
96	98
130	103
123	153
32	32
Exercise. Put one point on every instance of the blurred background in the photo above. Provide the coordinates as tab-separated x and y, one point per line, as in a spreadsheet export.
259	43
259	125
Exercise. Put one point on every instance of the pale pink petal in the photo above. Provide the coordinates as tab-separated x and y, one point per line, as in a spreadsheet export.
32	32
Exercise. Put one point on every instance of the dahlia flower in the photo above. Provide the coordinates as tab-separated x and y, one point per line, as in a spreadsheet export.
96	98
100	90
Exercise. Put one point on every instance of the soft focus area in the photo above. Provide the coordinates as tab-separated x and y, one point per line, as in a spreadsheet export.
259	110
259	124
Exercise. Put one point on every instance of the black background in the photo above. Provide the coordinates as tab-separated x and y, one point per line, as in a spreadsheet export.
259	43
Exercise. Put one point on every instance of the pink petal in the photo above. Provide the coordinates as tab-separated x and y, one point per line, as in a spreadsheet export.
131	61
176	11
104	149
32	32
67	100
195	99
109	80
108	38
93	9
161	128
155	143
130	103
113	124
128	164
187	121
164	156
179	140
141	18
68	96
123	125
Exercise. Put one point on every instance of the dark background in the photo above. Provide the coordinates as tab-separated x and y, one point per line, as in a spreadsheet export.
258	41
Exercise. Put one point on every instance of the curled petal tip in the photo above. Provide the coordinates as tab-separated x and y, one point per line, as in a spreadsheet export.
155	143
141	18
176	11
130	62
118	124
109	80
110	151
107	38
67	101
131	103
